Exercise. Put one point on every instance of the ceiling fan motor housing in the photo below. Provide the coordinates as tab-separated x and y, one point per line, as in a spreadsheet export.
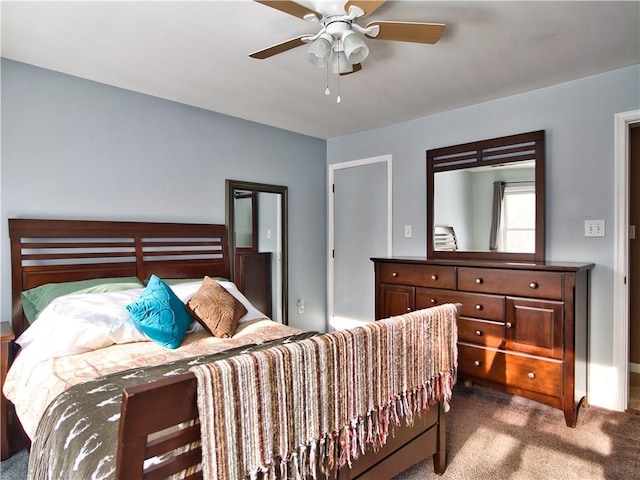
345	38
336	26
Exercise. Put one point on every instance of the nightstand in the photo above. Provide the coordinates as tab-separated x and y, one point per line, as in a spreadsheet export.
6	336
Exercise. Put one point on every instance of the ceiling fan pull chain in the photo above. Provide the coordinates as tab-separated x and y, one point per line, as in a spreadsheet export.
340	48
327	91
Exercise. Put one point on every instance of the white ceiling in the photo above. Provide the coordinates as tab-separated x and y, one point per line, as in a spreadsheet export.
197	53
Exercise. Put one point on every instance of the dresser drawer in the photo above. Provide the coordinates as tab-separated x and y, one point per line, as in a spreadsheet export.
526	283
487	307
481	332
417	275
529	373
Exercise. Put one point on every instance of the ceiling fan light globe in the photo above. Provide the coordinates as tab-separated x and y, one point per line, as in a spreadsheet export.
319	51
355	48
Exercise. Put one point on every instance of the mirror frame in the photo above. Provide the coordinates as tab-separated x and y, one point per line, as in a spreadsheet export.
512	148
233	185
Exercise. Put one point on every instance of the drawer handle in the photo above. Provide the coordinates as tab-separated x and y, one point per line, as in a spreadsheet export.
533	285
394	274
508	324
478	333
531	375
477	363
478	307
433	301
479	281
408	309
434	277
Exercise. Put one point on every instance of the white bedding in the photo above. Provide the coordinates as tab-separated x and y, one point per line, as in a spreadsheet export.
31	386
81	337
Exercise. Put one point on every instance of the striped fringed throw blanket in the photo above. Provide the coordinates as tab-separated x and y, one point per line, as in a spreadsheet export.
314	405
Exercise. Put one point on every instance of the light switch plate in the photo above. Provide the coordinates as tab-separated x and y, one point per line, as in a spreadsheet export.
408	231
594	228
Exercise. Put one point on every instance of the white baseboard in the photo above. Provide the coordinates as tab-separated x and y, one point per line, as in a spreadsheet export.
634	367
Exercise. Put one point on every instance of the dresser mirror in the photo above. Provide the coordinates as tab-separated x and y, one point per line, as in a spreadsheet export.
257	228
486	199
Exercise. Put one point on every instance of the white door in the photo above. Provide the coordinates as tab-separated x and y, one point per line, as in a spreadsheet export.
361	194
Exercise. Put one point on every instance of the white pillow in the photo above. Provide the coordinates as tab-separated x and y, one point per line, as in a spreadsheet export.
185	291
78	323
252	312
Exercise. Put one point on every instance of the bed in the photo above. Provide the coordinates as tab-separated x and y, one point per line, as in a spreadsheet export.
159	422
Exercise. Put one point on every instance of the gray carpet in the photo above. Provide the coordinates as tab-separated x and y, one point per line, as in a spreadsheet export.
15	467
492	435
495	436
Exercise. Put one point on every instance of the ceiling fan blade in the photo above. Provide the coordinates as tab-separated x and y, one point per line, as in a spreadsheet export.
292	8
369	6
356	68
278	48
408	31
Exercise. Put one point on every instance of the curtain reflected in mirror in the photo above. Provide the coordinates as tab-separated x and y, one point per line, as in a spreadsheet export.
496	214
257	228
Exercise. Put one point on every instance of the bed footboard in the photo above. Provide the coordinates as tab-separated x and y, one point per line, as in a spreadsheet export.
361	404
149	417
151	413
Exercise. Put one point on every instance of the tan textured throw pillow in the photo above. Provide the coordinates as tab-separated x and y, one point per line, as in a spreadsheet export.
216	309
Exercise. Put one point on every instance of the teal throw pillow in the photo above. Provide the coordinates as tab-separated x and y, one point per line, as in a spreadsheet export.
160	314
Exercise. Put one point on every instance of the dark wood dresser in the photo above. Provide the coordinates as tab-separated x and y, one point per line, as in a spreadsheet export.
523	327
253	279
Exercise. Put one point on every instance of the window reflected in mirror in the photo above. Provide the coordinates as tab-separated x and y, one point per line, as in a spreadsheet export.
517	226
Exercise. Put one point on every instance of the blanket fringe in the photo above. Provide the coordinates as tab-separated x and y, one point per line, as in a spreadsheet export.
344	447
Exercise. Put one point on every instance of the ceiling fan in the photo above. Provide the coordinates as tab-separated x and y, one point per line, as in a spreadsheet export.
340	41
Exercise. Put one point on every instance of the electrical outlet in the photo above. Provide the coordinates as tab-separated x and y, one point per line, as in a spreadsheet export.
594	228
300	306
408	231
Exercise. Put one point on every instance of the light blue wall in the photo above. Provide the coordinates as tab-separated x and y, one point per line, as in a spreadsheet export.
578	118
73	148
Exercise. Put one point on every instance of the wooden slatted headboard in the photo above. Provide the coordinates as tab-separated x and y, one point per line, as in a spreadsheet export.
48	251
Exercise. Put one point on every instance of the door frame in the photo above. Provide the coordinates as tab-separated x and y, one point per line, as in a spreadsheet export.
623	122
331	221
